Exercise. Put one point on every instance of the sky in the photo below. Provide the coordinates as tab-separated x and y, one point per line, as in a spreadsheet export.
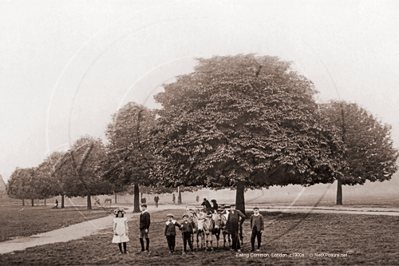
66	66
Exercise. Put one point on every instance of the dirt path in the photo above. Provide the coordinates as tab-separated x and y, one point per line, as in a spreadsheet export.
94	226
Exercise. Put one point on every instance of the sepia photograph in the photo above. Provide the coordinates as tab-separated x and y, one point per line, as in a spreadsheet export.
227	132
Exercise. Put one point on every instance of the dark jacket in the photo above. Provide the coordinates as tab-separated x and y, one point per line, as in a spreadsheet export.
187	227
170	228
145	220
215	206
206	204
233	220
258	222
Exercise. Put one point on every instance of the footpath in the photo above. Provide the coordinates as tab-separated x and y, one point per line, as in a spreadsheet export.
333	209
73	232
87	228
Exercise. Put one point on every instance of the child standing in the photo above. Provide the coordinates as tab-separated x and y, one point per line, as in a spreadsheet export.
145	222
120	229
257	226
187	229
170	232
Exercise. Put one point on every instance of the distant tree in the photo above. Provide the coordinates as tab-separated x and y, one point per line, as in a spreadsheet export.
21	185
80	168
130	156
54	163
43	185
369	152
15	186
47	183
246	122
3	186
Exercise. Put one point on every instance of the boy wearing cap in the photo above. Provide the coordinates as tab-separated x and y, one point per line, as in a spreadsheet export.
145	222
187	229
257	226
170	232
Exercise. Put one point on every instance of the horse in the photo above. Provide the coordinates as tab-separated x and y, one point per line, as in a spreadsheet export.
217	222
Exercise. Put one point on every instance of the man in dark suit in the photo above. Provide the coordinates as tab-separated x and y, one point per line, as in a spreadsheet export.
233	222
144	227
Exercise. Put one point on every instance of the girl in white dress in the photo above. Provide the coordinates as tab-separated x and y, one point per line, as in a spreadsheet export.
120	230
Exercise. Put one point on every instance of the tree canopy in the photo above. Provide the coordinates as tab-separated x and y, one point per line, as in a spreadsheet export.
22	185
129	157
50	185
78	170
369	152
244	119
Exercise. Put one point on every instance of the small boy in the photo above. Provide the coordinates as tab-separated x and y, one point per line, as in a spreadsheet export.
145	222
257	226
187	230
170	232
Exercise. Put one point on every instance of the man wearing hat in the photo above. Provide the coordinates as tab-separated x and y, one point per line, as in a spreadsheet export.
233	224
207	206
215	205
170	232
187	229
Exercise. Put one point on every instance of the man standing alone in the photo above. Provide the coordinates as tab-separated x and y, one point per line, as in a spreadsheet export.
257	226
144	227
233	222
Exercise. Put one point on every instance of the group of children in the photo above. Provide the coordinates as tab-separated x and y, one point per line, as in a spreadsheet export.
120	230
187	229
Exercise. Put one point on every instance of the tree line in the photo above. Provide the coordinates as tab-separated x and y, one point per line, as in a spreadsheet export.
242	122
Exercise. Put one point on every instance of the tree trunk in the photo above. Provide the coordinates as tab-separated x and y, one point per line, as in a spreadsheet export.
240	202
33	202
136	207
339	182
339	191
62	201
179	199
89	201
45	203
116	195
23	202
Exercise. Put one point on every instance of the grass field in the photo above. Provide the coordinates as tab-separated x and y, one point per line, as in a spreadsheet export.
315	239
26	221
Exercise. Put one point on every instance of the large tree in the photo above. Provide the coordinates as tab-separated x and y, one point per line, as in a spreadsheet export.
51	176
246	122
369	152
130	156
47	183
22	185
79	170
